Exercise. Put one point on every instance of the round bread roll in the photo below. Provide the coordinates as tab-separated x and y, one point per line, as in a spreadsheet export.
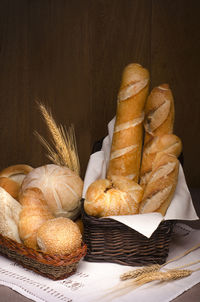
10	186
59	236
115	196
61	187
16	172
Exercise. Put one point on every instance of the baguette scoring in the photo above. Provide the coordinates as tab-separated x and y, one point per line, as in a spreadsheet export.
125	154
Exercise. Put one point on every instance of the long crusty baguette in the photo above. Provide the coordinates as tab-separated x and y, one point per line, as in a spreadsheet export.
159	113
160	188
167	143
127	139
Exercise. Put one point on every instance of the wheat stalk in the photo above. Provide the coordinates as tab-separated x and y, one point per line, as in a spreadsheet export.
138	272
170	275
64	149
156	267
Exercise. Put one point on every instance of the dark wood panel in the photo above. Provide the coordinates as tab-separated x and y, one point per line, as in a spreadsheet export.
175	59
70	55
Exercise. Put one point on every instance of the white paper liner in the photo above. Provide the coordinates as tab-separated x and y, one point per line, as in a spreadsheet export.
181	207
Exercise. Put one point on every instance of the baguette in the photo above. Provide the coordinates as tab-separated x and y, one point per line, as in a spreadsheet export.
162	183
127	138
167	143
159	113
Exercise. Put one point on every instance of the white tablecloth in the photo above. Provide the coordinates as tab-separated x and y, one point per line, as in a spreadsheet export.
95	281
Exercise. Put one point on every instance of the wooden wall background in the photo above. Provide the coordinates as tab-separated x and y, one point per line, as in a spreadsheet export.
70	54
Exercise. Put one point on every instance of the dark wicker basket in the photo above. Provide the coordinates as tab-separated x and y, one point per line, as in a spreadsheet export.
55	267
108	240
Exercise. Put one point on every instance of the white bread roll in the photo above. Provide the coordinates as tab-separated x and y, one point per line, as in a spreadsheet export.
59	236
9	216
116	196
61	187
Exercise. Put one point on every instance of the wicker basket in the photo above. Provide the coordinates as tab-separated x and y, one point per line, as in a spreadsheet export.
55	267
108	240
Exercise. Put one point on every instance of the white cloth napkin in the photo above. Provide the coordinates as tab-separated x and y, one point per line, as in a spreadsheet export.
95	281
181	207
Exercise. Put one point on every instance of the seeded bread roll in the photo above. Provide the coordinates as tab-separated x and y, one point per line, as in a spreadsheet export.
161	186
59	236
126	146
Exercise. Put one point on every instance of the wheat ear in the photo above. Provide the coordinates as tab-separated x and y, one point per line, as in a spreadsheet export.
64	149
162	276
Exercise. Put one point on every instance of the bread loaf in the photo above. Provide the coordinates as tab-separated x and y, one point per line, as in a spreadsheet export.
167	143
9	216
127	138
116	196
16	172
33	214
59	236
11	186
61	187
162	183
159	113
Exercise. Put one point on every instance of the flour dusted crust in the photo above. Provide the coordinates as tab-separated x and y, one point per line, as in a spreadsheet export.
61	187
115	196
9	216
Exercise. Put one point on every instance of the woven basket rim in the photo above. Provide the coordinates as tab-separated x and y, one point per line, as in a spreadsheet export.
109	222
42	257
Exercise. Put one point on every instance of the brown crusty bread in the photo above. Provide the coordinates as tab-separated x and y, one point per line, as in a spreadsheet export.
116	196
16	172
125	155
167	143
11	186
162	183
33	214
159	112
